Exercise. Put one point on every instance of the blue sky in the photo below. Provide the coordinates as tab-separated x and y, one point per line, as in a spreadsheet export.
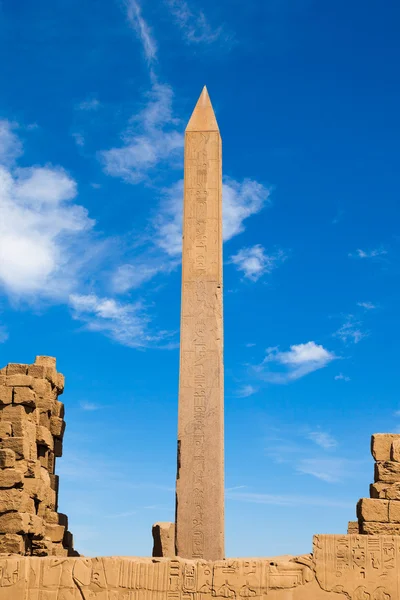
93	107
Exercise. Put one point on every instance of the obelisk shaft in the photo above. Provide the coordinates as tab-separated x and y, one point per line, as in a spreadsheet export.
200	476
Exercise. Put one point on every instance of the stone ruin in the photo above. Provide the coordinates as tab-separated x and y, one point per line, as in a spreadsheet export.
31	432
37	559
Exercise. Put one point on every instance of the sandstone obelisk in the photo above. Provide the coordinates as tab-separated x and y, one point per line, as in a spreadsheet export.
200	474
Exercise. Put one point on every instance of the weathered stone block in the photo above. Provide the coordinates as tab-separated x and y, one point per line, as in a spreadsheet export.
63	520
19	445
16	369
10	499
370	509
7	458
36	371
381	444
395	450
164	539
14	522
5	429
29	468
374	528
41	546
51	517
58	550
19	380
57	427
6	394
46	361
11	543
10	478
394	511
352	527
59	410
54	532
387	472
44	437
24	395
58	447
378	490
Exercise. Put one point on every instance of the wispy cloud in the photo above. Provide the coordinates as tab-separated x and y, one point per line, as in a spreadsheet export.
128	324
322	438
300	360
151	139
351	330
79	139
10	144
255	262
89	406
42	229
366	305
194	24
246	390
342	377
142	29
241	200
90	104
328	469
374	253
286	500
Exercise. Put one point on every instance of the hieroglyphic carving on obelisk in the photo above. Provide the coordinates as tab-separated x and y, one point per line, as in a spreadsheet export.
200	476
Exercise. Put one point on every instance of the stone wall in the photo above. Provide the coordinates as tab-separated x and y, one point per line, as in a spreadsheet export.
31	431
342	567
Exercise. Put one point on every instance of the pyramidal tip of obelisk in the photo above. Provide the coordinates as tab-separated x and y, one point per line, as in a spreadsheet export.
203	117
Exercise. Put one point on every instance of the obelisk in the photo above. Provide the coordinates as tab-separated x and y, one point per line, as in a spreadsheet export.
200	474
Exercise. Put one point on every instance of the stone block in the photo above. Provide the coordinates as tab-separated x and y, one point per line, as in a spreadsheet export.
5	429
51	517
58	550
46	361
36	371
58	447
14	522
41	546
352	527
378	490
59	410
10	478
6	395
44	437
54	482
45	477
54	532
7	458
163	539
36	526
29	468
395	450
51	462
44	418
387	472
24	395
371	509
11	499
381	444
63	520
57	426
42	388
394	511
16	369
12	543
374	528
19	380
19	445
68	540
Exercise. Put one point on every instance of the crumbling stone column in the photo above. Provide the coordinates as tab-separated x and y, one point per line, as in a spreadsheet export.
31	431
380	514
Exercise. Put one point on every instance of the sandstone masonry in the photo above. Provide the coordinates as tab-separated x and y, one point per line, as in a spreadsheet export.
31	431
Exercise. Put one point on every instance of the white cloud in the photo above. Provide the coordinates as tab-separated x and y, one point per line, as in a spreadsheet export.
322	439
286	500
148	142
40	230
368	253
89	104
246	391
79	139
366	305
194	24
330	470
10	145
3	334
297	362
342	377
124	323
254	262
240	201
89	406
136	20
351	331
